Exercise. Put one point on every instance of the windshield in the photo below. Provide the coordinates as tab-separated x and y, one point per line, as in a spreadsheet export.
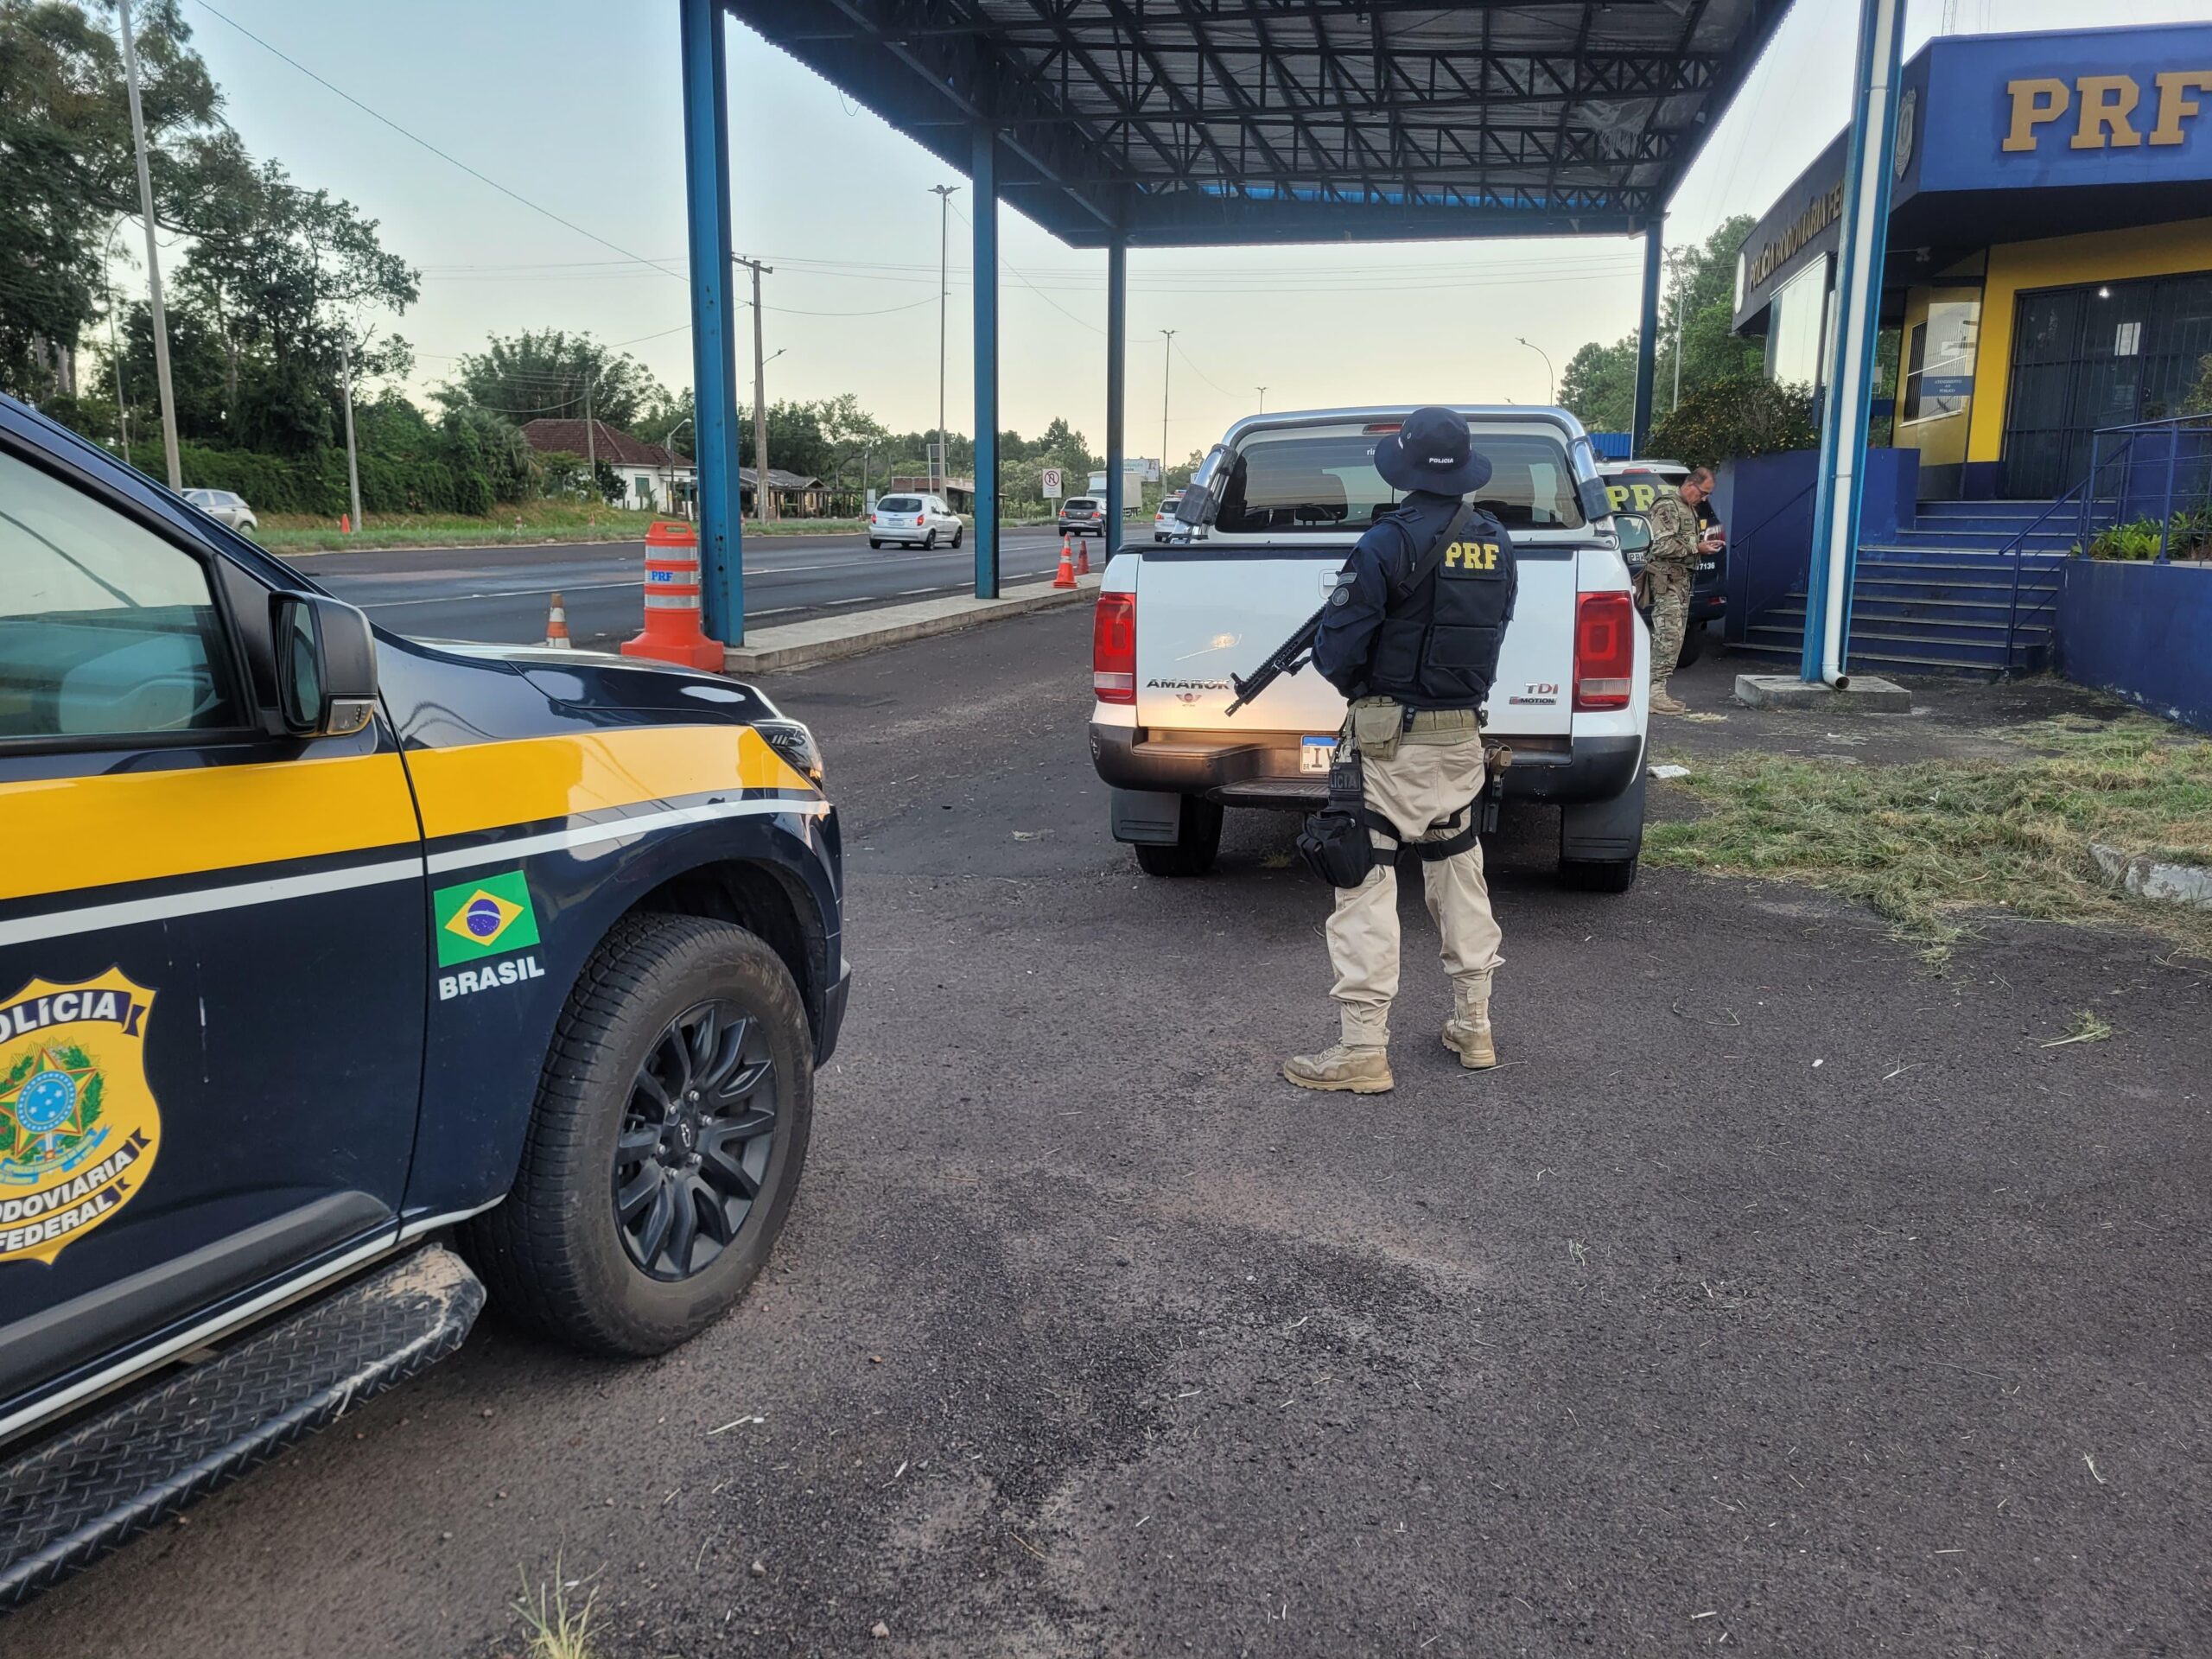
1320	481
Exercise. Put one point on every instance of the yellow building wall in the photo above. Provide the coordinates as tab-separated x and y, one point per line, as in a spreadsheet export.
2063	262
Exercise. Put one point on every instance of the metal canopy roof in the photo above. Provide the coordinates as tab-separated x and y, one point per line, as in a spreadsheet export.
1209	122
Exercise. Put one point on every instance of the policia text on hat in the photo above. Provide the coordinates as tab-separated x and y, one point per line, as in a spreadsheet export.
1411	637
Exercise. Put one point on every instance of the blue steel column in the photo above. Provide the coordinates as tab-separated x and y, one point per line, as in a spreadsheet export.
1117	354
1647	332
984	177
1842	481
713	362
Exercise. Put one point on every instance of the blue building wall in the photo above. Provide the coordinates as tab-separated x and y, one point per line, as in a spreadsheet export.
2142	631
1766	502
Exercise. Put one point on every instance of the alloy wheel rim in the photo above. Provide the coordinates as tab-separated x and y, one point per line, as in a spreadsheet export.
698	1130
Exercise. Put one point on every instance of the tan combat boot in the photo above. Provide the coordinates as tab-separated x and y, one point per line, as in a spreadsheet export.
1365	1070
1662	703
1467	1033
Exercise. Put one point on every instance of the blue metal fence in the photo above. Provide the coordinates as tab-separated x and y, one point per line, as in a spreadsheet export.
2155	475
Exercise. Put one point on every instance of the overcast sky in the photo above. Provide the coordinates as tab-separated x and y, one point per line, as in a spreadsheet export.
574	105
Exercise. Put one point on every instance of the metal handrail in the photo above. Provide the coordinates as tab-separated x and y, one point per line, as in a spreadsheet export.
2121	450
2017	548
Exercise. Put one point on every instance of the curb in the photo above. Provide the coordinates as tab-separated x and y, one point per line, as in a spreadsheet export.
828	639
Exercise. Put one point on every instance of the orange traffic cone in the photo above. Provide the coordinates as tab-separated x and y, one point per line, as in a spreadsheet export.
1083	556
345	523
556	624
1066	577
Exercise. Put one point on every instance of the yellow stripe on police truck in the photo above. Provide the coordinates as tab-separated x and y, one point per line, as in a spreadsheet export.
530	780
59	834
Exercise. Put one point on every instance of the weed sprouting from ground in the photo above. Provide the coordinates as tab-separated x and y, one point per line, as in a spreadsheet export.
556	1630
1928	844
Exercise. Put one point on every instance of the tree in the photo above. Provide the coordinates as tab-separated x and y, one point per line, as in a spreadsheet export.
1743	415
849	430
1700	299
285	274
69	173
545	373
1599	385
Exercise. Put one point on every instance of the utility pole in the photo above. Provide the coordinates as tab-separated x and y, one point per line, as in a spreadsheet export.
153	255
945	193
763	501
1167	367
591	446
1263	390
115	348
352	462
1675	261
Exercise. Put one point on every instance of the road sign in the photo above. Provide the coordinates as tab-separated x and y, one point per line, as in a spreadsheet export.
1052	483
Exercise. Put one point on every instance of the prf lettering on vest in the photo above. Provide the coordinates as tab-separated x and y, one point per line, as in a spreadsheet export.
2105	119
1471	555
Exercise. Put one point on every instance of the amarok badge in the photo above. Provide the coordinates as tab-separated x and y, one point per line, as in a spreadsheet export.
79	1127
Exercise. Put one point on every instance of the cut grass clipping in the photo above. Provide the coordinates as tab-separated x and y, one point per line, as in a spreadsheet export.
1928	844
557	1631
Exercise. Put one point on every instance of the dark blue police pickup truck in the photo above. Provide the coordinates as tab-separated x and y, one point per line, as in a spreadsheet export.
343	977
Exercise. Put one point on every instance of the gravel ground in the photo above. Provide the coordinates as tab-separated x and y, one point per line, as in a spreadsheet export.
1775	1295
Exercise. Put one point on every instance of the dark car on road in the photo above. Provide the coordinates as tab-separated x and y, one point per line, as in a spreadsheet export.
1083	515
344	978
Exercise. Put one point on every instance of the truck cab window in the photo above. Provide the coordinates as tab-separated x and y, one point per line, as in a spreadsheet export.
105	629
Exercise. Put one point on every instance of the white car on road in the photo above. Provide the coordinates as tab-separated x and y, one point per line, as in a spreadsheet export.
1166	527
1280	500
912	521
225	507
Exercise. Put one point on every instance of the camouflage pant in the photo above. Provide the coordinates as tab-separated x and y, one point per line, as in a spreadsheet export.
1670	610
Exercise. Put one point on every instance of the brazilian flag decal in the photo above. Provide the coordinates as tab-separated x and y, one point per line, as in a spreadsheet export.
483	919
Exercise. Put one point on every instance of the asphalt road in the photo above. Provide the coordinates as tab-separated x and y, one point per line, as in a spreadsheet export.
1775	1296
499	595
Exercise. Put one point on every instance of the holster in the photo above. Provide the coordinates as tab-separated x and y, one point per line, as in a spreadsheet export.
1335	844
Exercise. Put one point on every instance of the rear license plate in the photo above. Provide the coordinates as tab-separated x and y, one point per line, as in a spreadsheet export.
1315	753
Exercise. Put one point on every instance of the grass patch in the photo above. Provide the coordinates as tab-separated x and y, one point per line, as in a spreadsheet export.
1928	844
556	1630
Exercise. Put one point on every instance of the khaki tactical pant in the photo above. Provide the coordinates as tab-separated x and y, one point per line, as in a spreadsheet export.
1435	770
1670	612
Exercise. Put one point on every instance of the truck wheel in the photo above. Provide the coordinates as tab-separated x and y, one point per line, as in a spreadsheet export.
1598	875
670	1125
1198	838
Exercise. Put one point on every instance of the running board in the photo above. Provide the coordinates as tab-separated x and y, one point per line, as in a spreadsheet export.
67	1501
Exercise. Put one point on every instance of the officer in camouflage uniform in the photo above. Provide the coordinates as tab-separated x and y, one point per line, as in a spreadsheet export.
1414	659
1668	569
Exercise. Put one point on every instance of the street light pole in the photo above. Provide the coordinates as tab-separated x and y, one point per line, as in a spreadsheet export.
1166	369
1547	356
153	256
1675	261
943	192
1263	390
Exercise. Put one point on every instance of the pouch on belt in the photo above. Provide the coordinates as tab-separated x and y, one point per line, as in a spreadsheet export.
1375	724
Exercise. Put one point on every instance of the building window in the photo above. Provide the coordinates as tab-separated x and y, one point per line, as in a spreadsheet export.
1939	361
1797	335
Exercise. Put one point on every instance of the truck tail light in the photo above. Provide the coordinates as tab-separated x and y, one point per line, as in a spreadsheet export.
1114	648
1604	650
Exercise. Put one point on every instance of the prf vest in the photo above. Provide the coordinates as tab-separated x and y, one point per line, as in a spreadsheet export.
1439	640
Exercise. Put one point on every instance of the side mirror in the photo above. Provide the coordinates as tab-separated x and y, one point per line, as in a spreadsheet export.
326	665
1597	503
1633	531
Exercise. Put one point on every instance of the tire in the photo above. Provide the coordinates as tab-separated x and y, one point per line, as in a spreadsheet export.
1598	875
929	543
1197	839
956	537
872	542
1693	646
556	1257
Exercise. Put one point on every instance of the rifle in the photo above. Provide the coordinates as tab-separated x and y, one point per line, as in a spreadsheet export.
1286	658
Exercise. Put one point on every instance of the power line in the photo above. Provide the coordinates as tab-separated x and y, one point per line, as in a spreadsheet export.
441	155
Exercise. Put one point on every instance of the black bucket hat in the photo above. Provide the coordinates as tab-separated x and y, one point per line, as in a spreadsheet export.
1433	450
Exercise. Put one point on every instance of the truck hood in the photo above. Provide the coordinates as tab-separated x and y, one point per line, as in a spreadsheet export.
600	679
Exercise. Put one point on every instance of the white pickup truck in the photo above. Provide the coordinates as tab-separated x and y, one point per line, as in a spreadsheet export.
1269	521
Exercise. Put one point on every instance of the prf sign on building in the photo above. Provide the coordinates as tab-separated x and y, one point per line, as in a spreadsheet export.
2049	252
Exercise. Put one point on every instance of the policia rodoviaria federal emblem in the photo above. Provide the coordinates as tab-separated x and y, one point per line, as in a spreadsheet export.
78	1127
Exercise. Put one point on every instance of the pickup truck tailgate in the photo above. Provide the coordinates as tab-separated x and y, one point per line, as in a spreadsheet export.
1199	619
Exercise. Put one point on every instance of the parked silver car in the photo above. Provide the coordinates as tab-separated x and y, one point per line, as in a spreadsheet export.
224	506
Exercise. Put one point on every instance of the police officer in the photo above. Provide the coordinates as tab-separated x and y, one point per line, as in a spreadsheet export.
1410	635
1669	570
